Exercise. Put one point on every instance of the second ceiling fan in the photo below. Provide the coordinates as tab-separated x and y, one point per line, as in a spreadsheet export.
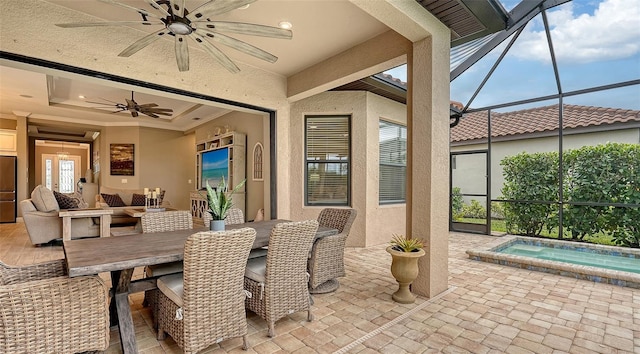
148	109
197	26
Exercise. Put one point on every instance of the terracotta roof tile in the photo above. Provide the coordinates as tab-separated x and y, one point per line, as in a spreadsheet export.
540	119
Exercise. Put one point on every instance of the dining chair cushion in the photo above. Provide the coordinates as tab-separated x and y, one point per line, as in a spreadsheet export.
256	268
258	252
158	270
173	286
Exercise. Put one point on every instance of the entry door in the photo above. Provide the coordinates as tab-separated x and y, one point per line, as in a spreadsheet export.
469	173
60	174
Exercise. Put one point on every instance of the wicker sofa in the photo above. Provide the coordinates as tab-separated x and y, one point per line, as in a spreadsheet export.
119	217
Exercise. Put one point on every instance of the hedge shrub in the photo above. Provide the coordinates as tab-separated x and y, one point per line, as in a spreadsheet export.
607	173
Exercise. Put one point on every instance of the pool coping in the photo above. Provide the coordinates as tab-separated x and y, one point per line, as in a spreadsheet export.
488	254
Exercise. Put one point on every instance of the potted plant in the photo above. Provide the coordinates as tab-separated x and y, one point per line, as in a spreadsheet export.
405	253
219	201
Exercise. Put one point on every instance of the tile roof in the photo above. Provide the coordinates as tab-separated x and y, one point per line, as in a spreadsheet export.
473	126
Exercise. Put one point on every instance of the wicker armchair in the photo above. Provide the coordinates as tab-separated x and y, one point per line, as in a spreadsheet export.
208	295
278	282
327	254
159	222
234	216
44	311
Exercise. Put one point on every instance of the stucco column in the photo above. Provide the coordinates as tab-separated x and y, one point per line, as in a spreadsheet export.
427	160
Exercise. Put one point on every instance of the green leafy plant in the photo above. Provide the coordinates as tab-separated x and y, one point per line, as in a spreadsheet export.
404	244
456	203
219	199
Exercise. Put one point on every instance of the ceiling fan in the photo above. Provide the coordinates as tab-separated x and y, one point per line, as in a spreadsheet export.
196	25
148	109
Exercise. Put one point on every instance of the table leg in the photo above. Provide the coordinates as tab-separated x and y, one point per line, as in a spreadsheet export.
121	311
66	228
105	225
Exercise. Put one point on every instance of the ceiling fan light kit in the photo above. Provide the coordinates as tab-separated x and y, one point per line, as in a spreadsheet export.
196	25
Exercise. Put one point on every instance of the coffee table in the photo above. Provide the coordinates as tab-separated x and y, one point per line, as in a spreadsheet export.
68	214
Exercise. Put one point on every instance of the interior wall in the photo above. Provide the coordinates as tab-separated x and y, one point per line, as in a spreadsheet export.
253	126
164	163
120	135
8	123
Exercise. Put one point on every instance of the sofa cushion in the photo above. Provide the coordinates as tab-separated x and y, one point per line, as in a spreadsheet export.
44	199
113	200
137	199
65	201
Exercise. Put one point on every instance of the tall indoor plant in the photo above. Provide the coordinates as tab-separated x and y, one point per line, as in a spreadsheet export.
220	201
405	253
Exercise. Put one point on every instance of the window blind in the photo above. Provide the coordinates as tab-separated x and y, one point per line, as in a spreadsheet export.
393	163
327	158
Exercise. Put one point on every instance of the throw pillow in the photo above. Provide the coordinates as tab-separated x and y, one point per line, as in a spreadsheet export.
137	199
113	200
64	201
43	199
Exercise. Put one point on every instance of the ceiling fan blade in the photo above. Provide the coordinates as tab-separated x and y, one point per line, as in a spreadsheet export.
216	53
148	105
182	52
141	43
159	110
245	28
103	24
156	6
140	11
178	7
150	114
155	112
241	46
216	7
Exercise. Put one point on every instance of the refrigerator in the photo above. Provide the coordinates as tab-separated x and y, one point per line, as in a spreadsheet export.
8	177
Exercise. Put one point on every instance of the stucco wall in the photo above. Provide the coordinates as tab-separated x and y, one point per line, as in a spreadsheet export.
375	223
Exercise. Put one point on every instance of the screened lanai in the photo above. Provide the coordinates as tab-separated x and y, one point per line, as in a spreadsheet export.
545	123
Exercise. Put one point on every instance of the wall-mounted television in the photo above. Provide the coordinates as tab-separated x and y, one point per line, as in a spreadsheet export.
213	165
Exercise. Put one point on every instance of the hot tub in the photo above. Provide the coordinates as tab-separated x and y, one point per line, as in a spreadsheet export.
598	263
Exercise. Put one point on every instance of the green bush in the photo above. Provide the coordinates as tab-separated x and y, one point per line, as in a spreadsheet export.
530	177
456	203
607	173
475	210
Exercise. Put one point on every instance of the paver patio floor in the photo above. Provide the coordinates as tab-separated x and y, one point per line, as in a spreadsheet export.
488	308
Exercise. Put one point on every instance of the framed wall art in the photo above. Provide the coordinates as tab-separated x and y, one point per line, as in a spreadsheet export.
121	159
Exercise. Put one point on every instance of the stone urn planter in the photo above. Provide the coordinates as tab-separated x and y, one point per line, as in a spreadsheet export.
404	266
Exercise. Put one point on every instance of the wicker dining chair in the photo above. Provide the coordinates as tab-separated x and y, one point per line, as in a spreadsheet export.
278	282
205	304
234	216
44	311
162	221
327	254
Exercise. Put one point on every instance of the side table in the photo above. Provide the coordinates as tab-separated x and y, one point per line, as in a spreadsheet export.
67	215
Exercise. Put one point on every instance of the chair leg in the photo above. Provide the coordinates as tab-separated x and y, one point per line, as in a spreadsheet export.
245	344
309	315
161	333
272	331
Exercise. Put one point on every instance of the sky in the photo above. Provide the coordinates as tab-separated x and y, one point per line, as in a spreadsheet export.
596	42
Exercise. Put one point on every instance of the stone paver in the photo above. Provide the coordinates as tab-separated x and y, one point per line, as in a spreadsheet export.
489	309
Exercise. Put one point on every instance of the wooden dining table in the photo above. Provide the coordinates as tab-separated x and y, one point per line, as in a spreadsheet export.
120	255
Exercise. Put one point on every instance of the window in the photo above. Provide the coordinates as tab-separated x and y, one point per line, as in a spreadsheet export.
393	163
257	162
327	151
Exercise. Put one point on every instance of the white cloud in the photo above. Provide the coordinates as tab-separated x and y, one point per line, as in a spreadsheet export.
612	32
